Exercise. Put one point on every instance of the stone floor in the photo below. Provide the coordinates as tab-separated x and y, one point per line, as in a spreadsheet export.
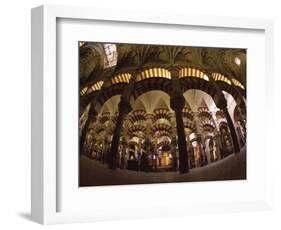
93	173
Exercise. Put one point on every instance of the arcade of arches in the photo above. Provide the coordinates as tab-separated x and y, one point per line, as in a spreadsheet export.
160	111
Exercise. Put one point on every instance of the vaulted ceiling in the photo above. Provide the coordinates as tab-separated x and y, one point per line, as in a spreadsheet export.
226	61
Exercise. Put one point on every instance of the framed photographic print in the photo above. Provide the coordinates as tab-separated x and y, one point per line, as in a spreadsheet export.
135	114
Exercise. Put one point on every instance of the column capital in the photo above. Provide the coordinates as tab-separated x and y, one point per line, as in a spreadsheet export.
149	116
209	74
174	71
134	76
196	115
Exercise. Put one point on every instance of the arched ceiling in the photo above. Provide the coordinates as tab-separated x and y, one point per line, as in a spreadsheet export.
152	100
197	98
111	105
156	99
133	56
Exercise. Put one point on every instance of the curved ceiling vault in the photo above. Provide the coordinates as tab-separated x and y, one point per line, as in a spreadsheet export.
226	61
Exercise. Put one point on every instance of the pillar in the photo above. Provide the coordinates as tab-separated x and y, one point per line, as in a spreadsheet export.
177	103
124	108
91	118
149	122
223	106
199	137
218	144
174	143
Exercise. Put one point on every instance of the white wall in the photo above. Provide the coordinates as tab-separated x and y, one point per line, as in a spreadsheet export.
15	112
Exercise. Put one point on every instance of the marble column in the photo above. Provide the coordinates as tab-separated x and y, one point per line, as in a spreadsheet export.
223	106
91	118
218	144
177	103
149	123
174	143
124	109
199	137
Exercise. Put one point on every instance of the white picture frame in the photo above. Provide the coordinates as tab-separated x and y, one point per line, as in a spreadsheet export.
45	165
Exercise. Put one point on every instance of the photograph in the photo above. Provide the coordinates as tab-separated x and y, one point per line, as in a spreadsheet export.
154	113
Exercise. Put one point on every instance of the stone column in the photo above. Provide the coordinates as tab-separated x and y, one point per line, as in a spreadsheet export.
197	122
177	103
149	122
202	152
124	109
241	116
174	143
223	106
91	118
92	114
199	137
218	144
